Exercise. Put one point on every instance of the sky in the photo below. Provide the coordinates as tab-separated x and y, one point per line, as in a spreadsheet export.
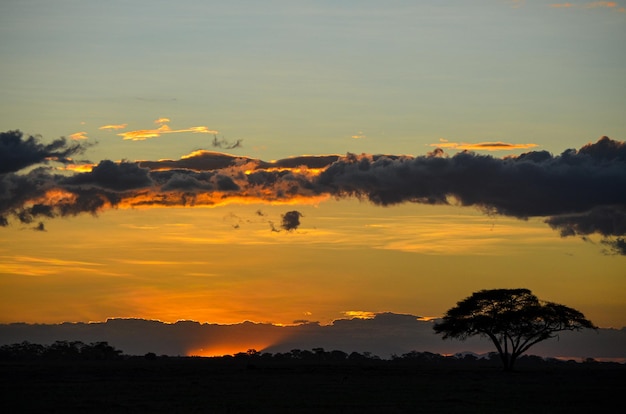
289	161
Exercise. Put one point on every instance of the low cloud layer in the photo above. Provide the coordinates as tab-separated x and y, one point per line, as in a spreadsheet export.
579	192
385	334
482	146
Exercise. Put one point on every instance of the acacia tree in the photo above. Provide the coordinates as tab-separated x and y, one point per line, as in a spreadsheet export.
514	320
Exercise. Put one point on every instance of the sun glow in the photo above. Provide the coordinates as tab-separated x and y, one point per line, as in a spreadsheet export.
231	346
227	349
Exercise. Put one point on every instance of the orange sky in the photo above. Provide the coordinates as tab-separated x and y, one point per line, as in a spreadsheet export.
225	265
163	201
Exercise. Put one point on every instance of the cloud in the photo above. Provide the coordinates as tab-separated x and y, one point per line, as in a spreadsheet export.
591	5
360	135
109	175
482	146
203	160
113	127
222	143
569	189
290	220
609	221
18	152
200	160
579	192
616	246
596	4
79	136
143	134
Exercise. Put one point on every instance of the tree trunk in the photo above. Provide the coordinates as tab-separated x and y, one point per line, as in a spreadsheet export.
507	361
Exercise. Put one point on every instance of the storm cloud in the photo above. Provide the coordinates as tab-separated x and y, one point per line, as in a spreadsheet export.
579	192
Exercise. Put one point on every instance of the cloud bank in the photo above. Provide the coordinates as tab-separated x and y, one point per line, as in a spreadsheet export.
579	192
384	334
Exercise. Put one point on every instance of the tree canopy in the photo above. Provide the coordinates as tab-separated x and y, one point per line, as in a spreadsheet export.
514	320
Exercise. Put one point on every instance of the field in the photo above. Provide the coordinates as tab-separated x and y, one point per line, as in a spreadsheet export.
204	385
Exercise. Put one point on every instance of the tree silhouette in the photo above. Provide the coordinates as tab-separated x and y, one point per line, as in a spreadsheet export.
514	320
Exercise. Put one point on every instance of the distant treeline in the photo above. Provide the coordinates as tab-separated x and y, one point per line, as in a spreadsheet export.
102	351
319	355
60	350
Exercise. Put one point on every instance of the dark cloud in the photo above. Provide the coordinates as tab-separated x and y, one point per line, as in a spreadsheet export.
582	192
308	161
18	152
200	160
608	221
22	192
616	246
225	183
604	220
291	220
222	143
113	176
272	226
203	160
527	186
579	192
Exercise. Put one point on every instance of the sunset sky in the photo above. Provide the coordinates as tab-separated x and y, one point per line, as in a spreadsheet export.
177	193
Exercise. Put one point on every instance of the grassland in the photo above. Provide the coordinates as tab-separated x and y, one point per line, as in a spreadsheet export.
206	385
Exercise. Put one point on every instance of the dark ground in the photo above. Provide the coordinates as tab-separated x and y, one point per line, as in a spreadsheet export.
204	385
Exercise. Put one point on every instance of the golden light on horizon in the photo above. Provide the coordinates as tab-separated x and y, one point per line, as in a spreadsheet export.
222	349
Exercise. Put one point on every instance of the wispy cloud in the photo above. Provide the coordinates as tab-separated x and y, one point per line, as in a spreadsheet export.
224	144
43	266
482	146
79	136
113	127
590	5
143	134
150	262
596	4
